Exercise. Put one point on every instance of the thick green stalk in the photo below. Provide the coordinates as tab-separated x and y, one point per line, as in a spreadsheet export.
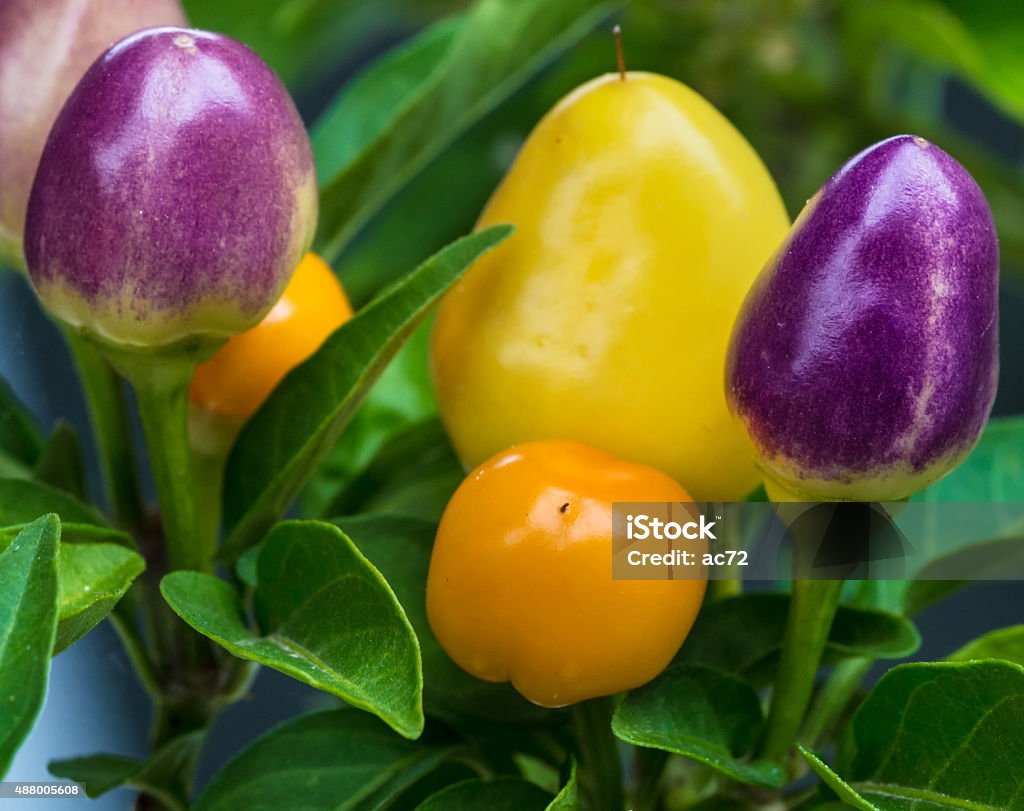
834	697
600	769
812	608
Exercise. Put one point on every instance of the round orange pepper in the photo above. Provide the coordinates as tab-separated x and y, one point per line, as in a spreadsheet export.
238	379
520	586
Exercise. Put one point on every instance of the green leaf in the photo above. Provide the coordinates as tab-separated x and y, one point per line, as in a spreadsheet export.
288	437
850	798
328	619
24	501
567	798
402	398
702	714
61	464
332	760
499	794
744	635
28	628
979	44
400	548
93	578
941	735
1004	643
166	774
75	533
20	441
415	474
500	45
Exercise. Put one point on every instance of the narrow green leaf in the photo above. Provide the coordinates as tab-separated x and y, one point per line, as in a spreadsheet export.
499	794
941	735
702	714
850	798
328	618
1004	643
568	798
286	439
28	628
93	578
744	634
166	774
24	501
400	548
339	760
61	464
500	45
20	440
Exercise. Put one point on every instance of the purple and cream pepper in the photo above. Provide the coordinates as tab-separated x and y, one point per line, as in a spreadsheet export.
175	194
864	361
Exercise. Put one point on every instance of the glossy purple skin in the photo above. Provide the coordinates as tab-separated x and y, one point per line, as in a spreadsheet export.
870	341
176	192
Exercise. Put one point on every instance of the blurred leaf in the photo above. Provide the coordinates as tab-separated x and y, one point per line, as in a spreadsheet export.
941	735
93	577
500	44
1004	643
849	797
61	464
329	619
702	714
166	774
403	396
20	441
567	798
400	548
22	501
340	760
28	628
499	794
414	474
283	443
983	47
743	635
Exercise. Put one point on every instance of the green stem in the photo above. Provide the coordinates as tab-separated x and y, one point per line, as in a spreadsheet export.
600	769
104	400
834	697
812	608
161	390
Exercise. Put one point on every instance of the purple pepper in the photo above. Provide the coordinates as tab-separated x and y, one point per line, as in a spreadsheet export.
864	361
45	47
175	195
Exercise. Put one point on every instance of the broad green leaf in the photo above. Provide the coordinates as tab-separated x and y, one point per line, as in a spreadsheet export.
61	464
850	798
567	798
93	578
400	548
28	628
304	417
75	533
20	441
24	501
743	635
499	794
702	714
1004	643
166	774
332	760
499	45
941	735
327	618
